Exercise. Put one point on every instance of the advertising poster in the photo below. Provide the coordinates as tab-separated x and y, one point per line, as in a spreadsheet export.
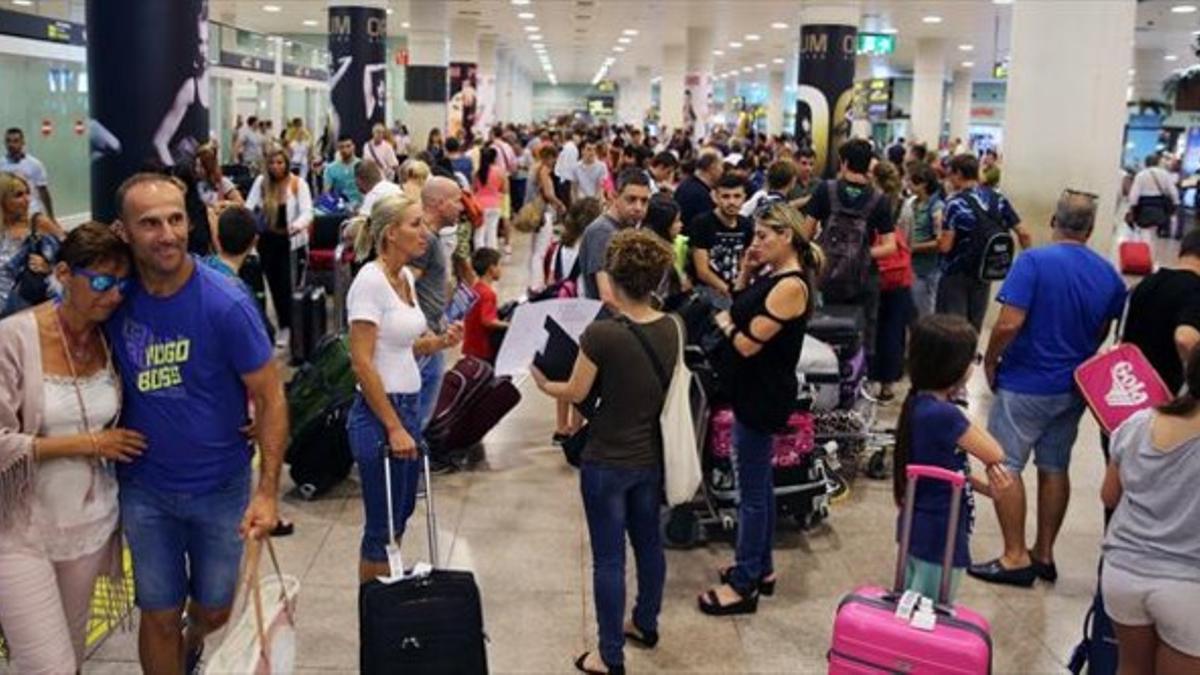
826	93
147	113
464	98
357	70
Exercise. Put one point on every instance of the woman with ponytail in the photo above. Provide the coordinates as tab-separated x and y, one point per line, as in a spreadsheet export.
1151	575
934	431
765	330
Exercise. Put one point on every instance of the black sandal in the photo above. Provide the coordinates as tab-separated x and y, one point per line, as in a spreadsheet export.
647	640
711	605
619	670
765	587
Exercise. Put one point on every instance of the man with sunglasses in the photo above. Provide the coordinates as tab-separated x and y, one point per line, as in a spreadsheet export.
1057	306
190	347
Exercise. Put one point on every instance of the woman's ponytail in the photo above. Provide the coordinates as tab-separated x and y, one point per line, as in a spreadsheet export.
360	226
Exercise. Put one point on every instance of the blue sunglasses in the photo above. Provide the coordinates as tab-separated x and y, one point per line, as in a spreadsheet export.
102	283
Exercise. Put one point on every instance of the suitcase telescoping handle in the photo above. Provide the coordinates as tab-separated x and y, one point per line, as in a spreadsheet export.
430	517
957	482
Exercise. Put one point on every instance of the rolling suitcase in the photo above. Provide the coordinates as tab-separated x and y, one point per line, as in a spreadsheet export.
427	623
493	402
1134	255
840	327
319	398
874	633
309	321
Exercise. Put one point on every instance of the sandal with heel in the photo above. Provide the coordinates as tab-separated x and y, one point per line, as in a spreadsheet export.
765	586
611	670
711	605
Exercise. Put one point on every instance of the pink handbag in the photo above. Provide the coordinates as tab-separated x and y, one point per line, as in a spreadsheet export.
789	448
1118	383
872	634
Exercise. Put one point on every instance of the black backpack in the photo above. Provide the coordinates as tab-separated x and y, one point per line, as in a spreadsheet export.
992	246
843	239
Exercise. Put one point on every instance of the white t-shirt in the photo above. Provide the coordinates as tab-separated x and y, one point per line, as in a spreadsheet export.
382	189
383	155
373	299
564	166
210	195
34	172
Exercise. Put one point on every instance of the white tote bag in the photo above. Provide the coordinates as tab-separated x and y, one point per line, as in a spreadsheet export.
263	639
681	459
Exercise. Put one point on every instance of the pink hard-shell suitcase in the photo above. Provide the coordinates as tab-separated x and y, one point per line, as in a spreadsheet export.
869	638
1118	383
789	448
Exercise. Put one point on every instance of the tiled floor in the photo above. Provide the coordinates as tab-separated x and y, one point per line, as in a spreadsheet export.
516	520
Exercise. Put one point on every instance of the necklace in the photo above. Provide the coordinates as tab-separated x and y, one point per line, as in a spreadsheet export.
87	425
76	349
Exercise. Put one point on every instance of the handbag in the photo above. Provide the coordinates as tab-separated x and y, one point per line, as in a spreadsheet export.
529	218
261	641
681	457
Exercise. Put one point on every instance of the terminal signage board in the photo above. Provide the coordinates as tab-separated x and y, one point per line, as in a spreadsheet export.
257	64
36	27
876	44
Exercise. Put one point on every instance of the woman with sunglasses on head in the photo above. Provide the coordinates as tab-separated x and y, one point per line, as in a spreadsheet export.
765	328
26	252
59	399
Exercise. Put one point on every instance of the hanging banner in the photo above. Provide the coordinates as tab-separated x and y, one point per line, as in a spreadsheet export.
358	70
464	98
149	90
825	96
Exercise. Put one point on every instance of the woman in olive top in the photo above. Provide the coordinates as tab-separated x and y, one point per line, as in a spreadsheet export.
621	474
765	328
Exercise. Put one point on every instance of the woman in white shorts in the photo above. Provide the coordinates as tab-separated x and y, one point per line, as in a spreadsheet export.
1151	575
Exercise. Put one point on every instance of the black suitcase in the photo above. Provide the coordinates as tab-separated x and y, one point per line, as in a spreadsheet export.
426	625
840	327
320	458
309	321
319	396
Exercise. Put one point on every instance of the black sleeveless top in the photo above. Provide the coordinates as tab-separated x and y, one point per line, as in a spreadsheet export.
764	385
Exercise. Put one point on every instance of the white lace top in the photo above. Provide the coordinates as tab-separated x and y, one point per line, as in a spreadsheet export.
75	506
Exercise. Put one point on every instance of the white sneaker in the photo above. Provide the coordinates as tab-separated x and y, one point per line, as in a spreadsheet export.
283	338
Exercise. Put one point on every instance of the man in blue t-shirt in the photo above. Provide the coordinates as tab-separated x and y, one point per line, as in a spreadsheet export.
191	347
1058	304
960	290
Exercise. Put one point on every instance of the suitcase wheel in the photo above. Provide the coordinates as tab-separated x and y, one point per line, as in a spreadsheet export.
877	465
682	529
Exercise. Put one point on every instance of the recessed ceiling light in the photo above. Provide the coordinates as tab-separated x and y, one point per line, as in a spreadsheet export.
753	37
535	37
629	31
760	66
931	19
968	64
966	48
624	40
747	69
718	52
405	24
22	3
777	61
525	16
1170	57
306	22
532	29
889	31
779	25
390	11
272	8
1002	2
521	2
1131	72
1183	9
287	43
735	45
618	49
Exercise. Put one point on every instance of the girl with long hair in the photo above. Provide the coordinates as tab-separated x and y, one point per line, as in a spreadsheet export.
490	186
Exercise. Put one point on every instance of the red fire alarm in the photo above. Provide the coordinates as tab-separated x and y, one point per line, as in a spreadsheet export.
47	127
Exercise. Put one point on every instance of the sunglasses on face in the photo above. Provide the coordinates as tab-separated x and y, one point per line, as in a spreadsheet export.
102	283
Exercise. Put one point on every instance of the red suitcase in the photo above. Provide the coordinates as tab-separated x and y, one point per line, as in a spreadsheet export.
471	402
871	636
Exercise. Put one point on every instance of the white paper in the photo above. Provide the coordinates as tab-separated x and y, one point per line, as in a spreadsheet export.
527	330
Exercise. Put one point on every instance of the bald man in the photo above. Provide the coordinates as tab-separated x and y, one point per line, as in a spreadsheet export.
441	200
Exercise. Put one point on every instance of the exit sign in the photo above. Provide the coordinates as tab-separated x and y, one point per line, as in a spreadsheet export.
876	44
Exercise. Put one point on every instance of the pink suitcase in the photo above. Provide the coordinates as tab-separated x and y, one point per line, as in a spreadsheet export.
1118	383
869	638
789	448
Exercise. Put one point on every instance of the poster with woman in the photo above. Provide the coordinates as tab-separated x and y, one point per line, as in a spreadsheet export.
464	99
358	80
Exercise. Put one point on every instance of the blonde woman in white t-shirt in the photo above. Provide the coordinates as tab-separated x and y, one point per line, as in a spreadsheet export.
387	332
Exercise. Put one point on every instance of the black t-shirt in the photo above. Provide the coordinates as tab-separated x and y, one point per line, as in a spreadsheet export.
852	196
764	385
1164	301
725	245
694	198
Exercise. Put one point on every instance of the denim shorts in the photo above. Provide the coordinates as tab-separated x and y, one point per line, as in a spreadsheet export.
368	444
1044	425
185	545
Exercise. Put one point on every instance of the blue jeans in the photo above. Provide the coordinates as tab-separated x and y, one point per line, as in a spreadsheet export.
1044	425
756	507
433	367
184	545
924	292
617	500
368	444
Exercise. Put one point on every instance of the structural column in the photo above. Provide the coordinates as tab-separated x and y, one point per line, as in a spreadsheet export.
698	80
825	95
463	77
670	109
640	98
960	106
485	112
425	77
358	80
1078	73
154	54
1150	69
929	82
775	98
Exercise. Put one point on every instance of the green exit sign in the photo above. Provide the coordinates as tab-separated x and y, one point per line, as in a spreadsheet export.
876	44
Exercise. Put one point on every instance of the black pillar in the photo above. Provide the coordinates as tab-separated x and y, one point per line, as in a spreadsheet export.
358	70
826	92
148	89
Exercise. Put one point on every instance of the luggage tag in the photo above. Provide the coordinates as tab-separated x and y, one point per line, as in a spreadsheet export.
908	604
925	617
395	565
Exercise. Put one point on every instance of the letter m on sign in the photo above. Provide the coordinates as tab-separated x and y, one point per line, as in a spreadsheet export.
339	25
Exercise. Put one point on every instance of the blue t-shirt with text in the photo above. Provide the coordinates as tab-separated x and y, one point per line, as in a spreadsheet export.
181	360
936	427
1069	294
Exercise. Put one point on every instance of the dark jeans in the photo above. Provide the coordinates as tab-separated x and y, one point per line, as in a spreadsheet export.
618	500
275	250
896	312
965	296
756	507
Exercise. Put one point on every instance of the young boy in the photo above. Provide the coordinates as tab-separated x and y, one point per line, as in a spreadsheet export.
482	322
589	173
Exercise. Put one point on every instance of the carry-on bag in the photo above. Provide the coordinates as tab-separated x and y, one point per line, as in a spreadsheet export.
428	622
471	402
319	398
1119	382
840	327
262	639
1134	255
309	321
878	631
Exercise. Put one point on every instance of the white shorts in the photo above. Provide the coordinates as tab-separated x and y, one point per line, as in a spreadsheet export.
1167	604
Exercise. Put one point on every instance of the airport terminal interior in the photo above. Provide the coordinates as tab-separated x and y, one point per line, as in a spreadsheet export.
655	314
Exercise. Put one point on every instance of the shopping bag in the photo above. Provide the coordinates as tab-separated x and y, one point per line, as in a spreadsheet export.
681	458
1118	383
262	640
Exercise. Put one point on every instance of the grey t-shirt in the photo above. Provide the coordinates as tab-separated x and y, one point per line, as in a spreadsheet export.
431	287
592	248
1155	531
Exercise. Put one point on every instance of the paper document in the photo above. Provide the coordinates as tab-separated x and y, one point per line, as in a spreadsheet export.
527	330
